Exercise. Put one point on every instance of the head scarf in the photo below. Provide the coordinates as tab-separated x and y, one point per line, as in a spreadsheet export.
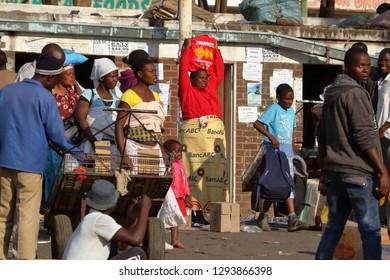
101	67
67	67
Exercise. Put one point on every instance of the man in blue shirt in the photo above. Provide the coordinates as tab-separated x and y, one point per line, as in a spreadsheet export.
30	119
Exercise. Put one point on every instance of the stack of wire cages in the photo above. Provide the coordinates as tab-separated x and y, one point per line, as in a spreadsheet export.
144	163
150	176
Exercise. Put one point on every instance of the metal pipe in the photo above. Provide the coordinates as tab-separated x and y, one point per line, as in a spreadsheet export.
327	54
304	8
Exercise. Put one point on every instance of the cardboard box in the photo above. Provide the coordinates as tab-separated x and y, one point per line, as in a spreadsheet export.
309	212
350	244
103	157
386	252
224	217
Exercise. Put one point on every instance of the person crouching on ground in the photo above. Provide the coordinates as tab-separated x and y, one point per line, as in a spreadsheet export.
93	237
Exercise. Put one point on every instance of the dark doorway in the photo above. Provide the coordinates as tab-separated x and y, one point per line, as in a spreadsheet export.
315	79
22	58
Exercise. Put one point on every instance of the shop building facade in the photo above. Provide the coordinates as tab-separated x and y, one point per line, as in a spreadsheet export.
308	57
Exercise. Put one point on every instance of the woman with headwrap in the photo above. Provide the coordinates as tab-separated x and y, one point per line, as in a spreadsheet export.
89	113
127	78
67	93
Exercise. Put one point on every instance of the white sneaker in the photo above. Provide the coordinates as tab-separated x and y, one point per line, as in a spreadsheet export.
168	247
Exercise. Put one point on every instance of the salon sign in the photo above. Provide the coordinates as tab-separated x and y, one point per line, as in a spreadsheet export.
345	5
350	5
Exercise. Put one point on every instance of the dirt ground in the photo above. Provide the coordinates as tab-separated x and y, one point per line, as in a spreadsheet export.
275	245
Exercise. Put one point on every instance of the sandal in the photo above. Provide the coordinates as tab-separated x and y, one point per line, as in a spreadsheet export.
178	244
168	247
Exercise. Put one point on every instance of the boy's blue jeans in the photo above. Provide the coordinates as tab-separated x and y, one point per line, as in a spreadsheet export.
344	193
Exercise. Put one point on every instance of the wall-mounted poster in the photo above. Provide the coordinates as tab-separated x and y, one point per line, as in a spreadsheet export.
254	94
271	54
164	91
280	76
252	71
247	114
35	45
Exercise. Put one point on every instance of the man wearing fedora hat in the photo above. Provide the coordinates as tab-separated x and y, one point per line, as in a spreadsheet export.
30	121
92	238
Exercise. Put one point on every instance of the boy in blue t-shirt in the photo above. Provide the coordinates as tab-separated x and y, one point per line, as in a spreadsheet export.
277	124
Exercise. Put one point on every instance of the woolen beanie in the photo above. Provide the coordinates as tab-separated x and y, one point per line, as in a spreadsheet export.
48	65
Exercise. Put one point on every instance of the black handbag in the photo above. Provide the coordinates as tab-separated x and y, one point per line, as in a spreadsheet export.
71	131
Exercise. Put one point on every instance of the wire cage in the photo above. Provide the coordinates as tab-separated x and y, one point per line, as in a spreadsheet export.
150	176
144	163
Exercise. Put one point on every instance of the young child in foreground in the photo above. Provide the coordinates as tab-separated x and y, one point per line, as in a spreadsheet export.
173	213
277	124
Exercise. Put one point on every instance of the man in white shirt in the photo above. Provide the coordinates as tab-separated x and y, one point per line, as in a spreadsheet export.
383	119
383	109
28	69
92	238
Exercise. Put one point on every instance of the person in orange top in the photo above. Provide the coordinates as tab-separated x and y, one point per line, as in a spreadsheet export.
202	131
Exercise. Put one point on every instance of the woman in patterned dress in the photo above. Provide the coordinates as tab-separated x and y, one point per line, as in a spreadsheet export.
66	92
